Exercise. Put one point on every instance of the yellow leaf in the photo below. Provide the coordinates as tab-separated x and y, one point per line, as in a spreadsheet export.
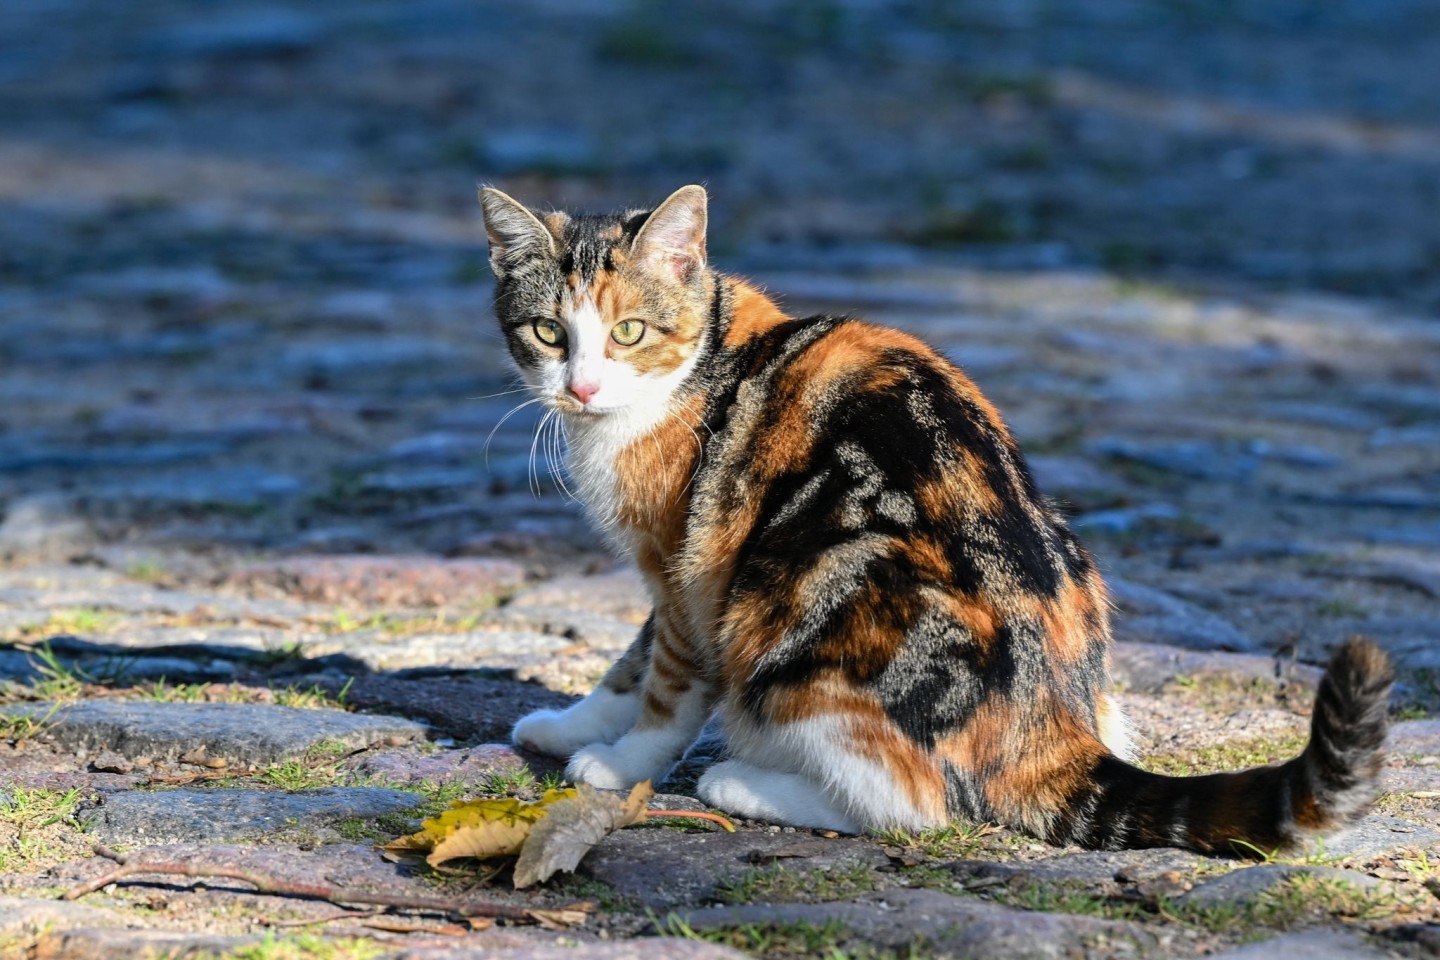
573	827
477	815
493	838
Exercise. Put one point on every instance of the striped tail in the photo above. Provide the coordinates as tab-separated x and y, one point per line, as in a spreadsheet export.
1330	784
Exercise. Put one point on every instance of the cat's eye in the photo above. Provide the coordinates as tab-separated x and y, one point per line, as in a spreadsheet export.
548	330
627	333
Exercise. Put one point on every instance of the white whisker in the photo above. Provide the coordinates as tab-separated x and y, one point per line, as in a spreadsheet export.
513	411
502	393
533	477
557	464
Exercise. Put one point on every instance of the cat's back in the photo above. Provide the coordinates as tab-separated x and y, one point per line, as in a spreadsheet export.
841	438
843	402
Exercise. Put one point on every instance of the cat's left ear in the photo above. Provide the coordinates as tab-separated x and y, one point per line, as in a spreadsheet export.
672	239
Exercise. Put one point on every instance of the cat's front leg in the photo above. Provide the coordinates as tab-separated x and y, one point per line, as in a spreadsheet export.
604	716
675	703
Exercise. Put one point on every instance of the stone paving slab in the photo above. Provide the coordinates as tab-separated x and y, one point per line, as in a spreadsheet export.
344	863
620	595
387	581
469	650
649	948
475	708
1311	944
469	766
29	915
662	868
85	944
105	944
575	624
1149	615
946	925
65	780
222	813
237	732
1149	667
1373	835
1248	884
1104	873
1415	737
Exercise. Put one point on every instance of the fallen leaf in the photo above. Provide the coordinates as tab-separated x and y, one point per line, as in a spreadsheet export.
488	838
477	828
559	919
572	827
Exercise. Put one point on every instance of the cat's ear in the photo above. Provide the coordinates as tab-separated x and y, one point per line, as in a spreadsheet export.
672	239
515	233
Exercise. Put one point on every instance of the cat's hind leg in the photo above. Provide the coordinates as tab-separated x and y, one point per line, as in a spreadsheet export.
605	716
746	790
855	767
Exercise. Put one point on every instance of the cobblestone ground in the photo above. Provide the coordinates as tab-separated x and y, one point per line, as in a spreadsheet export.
278	575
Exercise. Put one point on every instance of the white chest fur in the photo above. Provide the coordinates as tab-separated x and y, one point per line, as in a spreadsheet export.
594	446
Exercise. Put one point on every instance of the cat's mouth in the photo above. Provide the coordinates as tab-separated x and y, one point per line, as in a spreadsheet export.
572	407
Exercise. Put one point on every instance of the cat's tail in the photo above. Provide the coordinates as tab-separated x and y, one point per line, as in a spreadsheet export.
1331	783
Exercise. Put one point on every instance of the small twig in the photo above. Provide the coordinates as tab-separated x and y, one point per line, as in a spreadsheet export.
264	883
331	918
314	764
208	775
693	815
411	926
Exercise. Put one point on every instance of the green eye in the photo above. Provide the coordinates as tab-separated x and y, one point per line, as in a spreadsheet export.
627	333
549	331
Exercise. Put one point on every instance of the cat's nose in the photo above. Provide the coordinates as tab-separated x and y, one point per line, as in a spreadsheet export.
584	391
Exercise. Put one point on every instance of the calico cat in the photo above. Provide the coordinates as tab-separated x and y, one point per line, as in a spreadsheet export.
850	562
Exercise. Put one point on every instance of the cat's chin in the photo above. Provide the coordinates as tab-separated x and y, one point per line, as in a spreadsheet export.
571	408
593	414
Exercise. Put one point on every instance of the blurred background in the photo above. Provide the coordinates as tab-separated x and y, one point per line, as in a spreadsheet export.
1191	246
1280	141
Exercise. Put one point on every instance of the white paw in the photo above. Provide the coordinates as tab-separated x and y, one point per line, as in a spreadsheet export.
758	794
635	757
598	766
551	732
602	717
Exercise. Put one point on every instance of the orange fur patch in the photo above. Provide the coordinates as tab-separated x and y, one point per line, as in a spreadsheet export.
1034	756
753	313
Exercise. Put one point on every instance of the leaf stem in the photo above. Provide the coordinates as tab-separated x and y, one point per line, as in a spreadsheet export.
693	815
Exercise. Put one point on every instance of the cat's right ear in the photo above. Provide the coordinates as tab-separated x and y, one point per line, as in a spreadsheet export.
515	233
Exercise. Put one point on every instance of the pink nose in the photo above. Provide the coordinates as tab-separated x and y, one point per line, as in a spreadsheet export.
584	391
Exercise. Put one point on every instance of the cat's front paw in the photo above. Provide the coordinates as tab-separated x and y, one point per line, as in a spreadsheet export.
602	717
551	732
621	766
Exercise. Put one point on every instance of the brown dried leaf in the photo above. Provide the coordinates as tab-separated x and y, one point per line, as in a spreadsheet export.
559	919
483	839
573	826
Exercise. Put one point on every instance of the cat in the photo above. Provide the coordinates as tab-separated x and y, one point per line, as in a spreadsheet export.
851	565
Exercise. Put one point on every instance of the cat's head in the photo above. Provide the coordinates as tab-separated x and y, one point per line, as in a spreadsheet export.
603	315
